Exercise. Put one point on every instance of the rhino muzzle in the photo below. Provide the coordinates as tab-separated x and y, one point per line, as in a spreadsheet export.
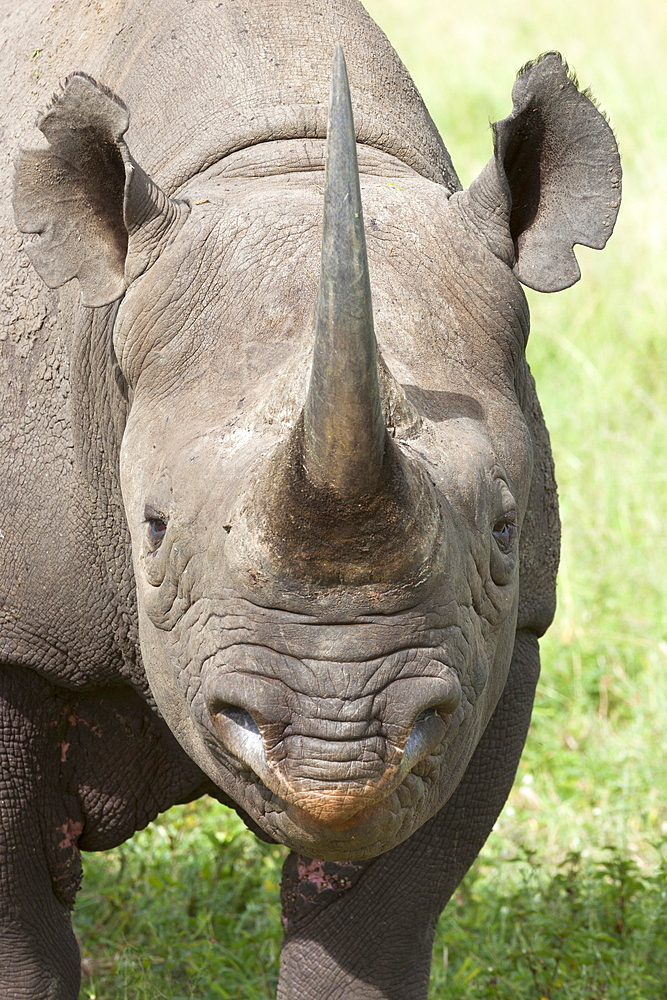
330	759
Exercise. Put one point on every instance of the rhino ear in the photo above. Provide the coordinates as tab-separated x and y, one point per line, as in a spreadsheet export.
554	181
98	216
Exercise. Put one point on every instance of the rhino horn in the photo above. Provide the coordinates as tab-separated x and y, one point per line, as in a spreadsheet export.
344	433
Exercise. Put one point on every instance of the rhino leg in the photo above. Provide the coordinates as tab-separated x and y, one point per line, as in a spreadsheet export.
78	771
39	861
366	931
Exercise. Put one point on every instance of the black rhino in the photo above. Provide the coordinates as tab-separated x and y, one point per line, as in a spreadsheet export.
248	549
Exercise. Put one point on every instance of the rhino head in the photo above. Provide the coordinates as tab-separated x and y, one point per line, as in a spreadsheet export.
333	543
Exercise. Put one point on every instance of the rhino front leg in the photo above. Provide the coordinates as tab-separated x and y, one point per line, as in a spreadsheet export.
365	931
39	860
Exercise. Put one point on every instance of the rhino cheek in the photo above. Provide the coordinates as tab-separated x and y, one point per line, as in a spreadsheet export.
170	699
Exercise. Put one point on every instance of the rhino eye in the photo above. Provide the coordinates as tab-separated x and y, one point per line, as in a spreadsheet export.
156	528
504	532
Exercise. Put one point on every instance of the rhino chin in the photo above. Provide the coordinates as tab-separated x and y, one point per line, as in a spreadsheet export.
373	830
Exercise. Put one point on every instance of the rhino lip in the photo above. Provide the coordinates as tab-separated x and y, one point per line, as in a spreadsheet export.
320	809
423	740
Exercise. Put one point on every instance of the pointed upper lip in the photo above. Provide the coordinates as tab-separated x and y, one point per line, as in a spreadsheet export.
335	804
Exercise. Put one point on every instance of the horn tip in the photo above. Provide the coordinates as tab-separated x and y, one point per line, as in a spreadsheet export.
339	68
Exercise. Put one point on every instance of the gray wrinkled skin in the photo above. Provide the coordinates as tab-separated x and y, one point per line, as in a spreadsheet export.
191	600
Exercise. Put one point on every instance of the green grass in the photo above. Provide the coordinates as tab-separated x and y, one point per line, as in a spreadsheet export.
571	931
187	908
568	900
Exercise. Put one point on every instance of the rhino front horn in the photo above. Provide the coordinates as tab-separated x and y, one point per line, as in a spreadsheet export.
344	434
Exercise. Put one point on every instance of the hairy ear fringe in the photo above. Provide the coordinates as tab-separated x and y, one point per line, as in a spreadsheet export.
572	77
554	181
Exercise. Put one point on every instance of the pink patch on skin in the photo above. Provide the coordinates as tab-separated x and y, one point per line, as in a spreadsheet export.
72	830
315	874
78	720
64	747
75	719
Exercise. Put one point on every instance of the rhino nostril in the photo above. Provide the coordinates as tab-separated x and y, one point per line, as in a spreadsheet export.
428	713
443	711
237	715
239	733
428	730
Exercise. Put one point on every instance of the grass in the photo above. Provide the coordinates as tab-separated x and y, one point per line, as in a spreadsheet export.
568	899
578	930
187	908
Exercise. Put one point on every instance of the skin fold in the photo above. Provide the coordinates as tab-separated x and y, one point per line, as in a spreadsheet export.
278	509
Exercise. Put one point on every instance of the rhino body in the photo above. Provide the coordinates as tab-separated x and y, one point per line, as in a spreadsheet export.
251	547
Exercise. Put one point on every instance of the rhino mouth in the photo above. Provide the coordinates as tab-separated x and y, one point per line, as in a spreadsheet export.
310	804
379	821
